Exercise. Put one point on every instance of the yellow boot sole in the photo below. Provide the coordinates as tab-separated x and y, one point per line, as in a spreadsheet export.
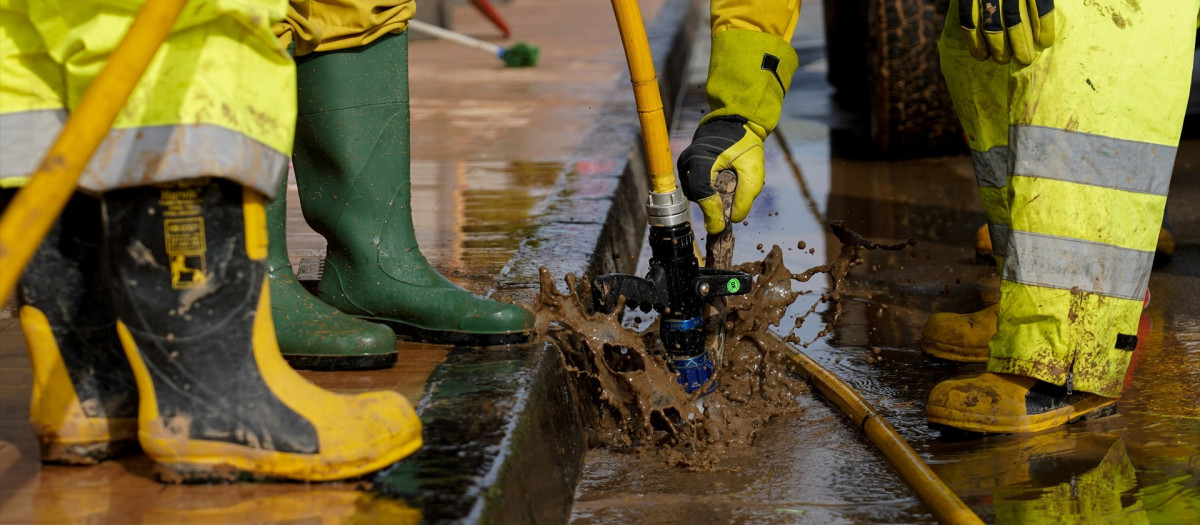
998	404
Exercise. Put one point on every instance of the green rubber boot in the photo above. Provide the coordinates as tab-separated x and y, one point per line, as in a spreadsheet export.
352	163
313	335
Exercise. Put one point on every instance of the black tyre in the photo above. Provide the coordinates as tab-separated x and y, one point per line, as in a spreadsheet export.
846	51
883	59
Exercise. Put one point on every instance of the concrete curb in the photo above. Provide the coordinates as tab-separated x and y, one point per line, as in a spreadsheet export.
503	440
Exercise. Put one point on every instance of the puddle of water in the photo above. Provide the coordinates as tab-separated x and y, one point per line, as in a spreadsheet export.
492	204
809	467
470	216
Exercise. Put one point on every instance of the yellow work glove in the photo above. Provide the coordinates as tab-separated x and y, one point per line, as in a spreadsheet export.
723	143
1007	29
748	75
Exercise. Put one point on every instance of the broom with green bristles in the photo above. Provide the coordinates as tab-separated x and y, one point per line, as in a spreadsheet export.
516	55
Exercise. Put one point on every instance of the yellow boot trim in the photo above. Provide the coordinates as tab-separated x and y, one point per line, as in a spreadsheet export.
960	337
357	434
65	432
995	403
254	216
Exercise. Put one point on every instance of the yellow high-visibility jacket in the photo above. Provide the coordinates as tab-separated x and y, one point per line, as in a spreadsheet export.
218	99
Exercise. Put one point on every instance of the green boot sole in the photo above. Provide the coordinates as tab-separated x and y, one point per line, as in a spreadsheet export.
313	335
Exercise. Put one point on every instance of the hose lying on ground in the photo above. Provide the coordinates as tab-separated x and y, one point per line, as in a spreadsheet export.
936	496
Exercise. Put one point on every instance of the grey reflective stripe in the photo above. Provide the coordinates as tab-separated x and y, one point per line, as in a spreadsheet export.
999	234
991	167
1064	263
25	136
145	155
1089	159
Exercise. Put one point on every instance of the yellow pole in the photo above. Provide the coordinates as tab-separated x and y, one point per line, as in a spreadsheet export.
33	210
937	497
645	93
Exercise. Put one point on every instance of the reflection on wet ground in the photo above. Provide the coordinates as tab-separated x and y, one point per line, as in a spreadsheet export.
1142	465
124	490
480	234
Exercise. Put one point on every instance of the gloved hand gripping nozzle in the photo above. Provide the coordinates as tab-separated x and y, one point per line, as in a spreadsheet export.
676	287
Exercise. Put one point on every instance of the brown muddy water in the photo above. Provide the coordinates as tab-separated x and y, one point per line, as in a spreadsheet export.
629	396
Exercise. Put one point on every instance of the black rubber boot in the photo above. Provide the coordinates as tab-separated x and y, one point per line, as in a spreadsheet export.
84	403
217	400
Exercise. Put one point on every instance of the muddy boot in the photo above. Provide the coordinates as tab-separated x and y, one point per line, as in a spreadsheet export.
313	335
960	337
352	164
84	404
983	244
1004	403
218	402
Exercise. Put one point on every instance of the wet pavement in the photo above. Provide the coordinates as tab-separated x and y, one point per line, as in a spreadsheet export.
1142	465
503	185
490	144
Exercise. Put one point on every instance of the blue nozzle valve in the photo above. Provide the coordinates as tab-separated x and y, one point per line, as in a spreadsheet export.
693	372
677	287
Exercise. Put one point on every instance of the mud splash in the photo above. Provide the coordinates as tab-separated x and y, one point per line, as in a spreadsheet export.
631	400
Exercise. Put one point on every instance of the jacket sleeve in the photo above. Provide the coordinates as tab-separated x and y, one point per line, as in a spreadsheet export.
752	60
774	17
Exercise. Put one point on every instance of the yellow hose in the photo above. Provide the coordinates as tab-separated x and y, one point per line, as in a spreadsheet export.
645	93
34	208
936	496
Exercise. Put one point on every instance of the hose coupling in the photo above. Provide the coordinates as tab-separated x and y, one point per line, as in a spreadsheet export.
667	209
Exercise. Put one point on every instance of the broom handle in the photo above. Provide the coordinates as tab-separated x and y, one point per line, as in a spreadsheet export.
460	38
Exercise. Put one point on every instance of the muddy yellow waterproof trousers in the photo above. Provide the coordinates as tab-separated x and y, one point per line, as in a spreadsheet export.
218	99
1073	155
334	25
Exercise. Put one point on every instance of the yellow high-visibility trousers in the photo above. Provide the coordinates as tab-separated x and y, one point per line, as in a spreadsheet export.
1073	156
218	99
